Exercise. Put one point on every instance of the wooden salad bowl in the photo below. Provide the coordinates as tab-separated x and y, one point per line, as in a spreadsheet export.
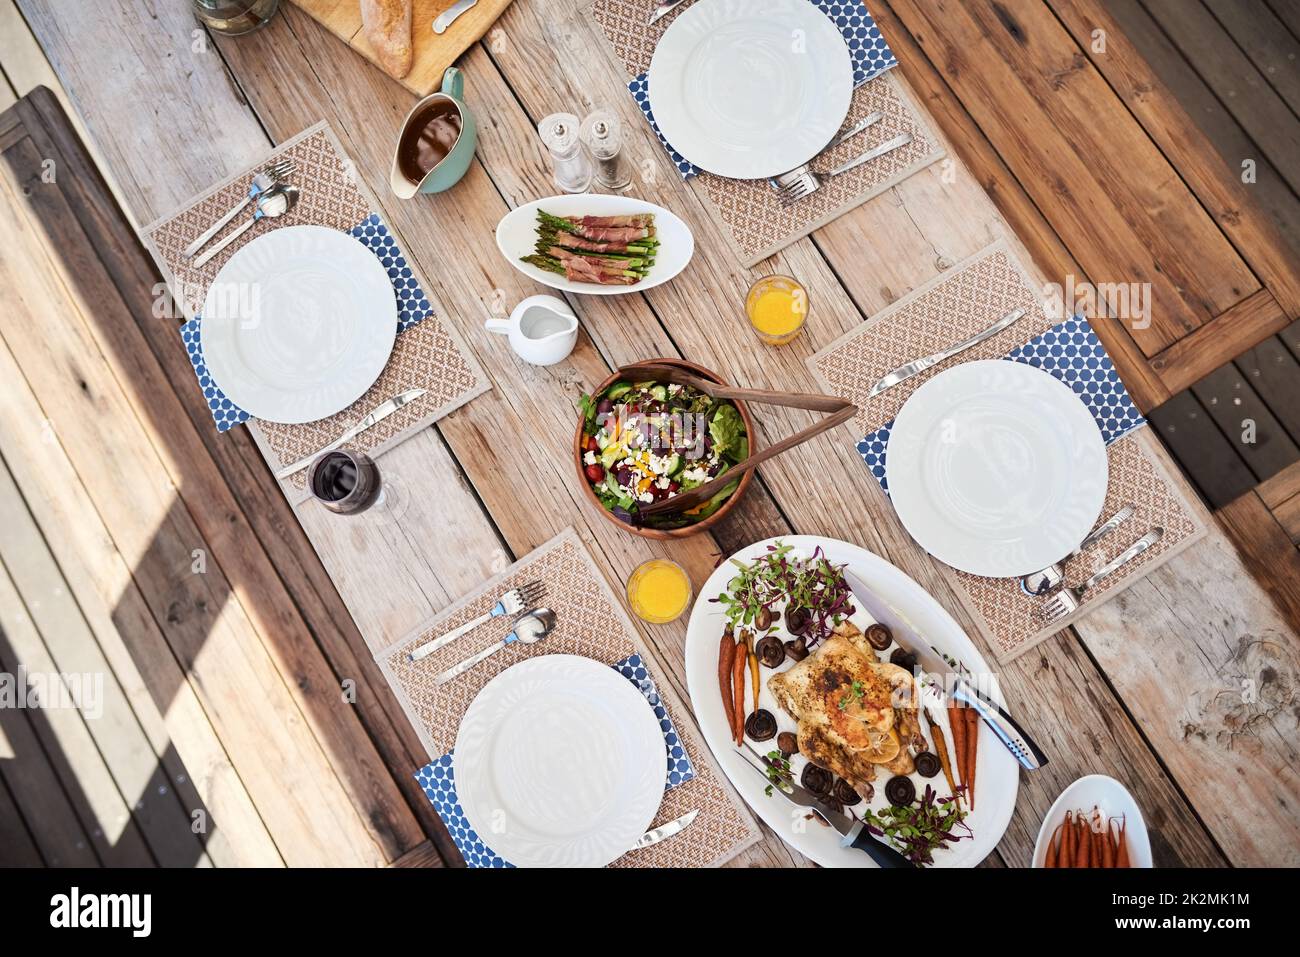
666	533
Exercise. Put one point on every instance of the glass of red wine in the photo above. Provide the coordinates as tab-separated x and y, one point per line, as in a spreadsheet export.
345	482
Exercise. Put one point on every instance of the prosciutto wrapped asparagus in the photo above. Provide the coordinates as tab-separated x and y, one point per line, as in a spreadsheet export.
606	250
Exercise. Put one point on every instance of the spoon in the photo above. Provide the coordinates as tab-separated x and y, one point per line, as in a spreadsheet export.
275	202
530	629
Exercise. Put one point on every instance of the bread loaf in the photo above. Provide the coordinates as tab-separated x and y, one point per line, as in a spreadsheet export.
387	25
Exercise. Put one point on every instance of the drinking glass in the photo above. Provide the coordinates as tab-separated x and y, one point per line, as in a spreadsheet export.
777	307
345	482
234	17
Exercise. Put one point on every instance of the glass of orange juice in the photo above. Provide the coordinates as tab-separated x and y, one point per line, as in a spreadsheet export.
777	307
658	591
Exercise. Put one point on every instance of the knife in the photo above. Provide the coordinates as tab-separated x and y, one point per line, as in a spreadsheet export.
665	830
903	373
447	16
665	8
381	412
852	833
1021	746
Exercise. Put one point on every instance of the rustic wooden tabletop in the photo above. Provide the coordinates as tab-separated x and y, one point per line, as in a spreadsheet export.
1133	690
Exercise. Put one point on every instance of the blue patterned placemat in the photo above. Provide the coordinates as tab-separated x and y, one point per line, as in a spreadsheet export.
870	54
1070	351
412	306
438	778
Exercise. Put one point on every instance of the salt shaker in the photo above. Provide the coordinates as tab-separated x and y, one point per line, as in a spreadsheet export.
572	165
603	134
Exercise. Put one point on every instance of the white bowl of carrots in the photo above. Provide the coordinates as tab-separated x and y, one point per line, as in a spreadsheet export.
1094	823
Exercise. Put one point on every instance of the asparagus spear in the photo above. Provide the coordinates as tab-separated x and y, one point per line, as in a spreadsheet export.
551	264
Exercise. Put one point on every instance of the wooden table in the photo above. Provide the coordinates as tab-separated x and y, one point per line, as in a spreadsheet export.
1136	690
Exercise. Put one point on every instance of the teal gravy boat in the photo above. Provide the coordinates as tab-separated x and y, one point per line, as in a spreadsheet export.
451	167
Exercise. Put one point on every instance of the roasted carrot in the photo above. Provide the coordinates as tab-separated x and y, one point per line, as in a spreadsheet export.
1053	848
727	658
941	747
957	721
972	749
738	690
1083	847
1066	857
753	674
1121	854
1108	847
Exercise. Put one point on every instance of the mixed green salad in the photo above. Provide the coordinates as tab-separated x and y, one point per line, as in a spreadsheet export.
644	442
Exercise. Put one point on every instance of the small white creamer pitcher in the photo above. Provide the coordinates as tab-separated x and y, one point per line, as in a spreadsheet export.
542	330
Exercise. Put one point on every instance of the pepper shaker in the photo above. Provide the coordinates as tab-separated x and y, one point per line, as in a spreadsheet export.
603	134
570	162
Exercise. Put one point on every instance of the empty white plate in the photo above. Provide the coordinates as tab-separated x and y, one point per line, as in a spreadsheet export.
299	324
560	762
750	88
996	468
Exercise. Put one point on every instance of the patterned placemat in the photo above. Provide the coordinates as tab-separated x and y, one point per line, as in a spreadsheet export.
589	621
428	352
438	778
749	212
960	302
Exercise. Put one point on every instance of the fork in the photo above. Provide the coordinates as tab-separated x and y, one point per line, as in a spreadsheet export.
1037	584
1066	601
263	180
513	602
845	134
809	181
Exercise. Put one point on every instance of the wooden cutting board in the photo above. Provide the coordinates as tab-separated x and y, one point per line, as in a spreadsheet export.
432	53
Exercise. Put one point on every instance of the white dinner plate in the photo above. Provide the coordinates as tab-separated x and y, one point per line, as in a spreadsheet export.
1114	800
996	468
298	324
998	777
560	762
517	237
750	88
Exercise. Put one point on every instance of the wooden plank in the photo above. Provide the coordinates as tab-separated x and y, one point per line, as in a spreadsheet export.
1275	374
1209	460
1290	337
1280	487
1288	516
207	622
1288	11
65	737
1200	138
17	849
1112	196
101	581
1220	340
1252	430
1236	81
1266	550
1268	44
148	793
422	855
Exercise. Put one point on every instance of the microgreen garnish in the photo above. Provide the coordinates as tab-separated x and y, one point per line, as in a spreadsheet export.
856	693
778	771
916	830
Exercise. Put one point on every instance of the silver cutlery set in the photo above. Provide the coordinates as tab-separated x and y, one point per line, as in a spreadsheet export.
529	623
270	197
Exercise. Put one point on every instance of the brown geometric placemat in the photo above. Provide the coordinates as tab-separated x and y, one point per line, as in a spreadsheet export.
956	304
429	353
751	216
590	621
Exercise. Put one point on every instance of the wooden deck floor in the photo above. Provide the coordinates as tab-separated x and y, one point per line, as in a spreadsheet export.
263	709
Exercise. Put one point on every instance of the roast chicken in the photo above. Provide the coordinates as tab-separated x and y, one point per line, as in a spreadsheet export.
854	712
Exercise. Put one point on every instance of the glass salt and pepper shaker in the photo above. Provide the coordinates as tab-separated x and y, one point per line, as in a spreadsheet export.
603	135
572	165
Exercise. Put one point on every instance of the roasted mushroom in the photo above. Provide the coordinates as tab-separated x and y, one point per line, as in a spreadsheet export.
796	650
817	780
770	651
760	725
797	620
903	658
900	791
788	742
763	620
844	793
927	764
879	637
